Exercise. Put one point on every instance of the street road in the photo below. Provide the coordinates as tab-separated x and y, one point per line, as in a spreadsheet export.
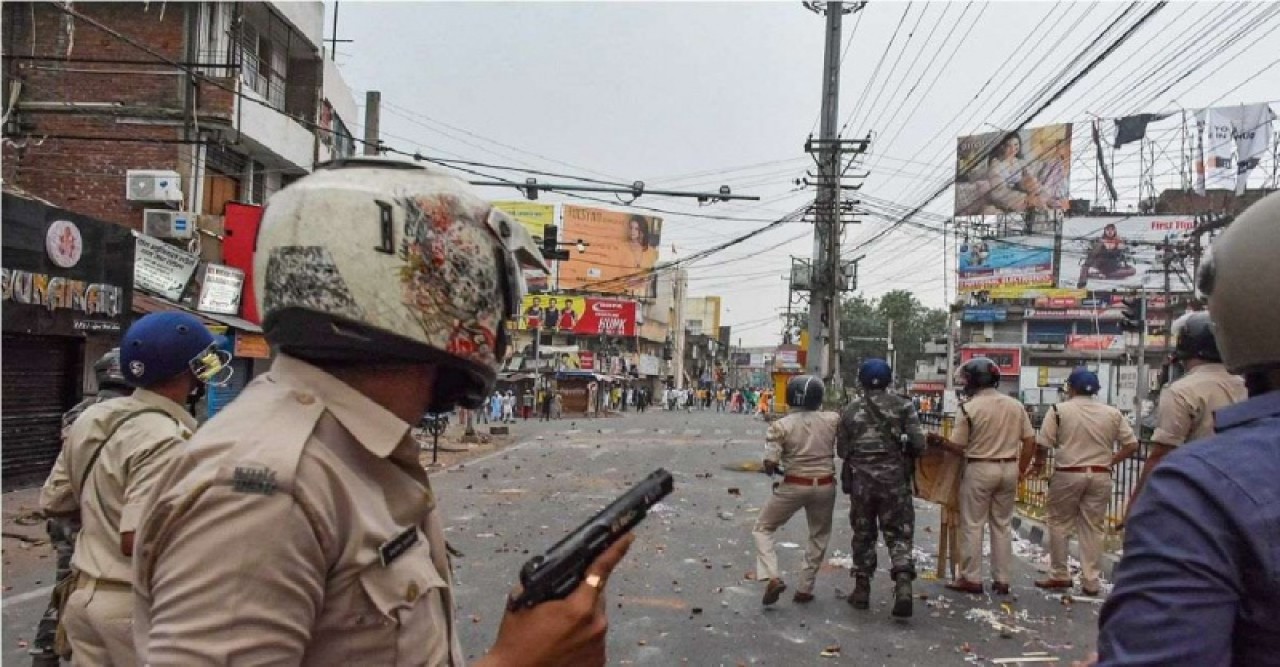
684	594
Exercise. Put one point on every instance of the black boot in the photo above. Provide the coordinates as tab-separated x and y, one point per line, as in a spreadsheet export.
902	595
860	598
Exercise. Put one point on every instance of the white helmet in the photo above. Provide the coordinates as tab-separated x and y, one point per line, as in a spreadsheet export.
374	260
1240	278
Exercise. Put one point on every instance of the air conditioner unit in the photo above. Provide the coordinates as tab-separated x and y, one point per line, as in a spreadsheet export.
153	185
165	224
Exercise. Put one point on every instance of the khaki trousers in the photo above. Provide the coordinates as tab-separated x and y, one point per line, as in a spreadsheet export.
987	493
1079	500
99	624
819	504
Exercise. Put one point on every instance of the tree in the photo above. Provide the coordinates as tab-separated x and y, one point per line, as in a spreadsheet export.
913	325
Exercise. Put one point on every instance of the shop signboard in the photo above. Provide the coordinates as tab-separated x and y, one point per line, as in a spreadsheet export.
63	273
161	268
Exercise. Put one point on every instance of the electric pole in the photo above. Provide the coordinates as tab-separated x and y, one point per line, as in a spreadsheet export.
827	278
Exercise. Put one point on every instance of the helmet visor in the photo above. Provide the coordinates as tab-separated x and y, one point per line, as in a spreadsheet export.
517	252
212	365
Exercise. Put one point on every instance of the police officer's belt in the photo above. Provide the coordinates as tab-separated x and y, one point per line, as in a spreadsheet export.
809	481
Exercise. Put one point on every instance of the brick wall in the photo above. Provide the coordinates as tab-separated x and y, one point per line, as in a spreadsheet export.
88	176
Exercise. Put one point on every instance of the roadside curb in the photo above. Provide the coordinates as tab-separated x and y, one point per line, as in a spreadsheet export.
1037	533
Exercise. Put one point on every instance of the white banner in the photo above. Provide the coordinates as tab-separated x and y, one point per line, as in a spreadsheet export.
220	289
161	268
650	364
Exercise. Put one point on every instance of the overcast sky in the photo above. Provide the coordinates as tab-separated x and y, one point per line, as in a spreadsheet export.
695	95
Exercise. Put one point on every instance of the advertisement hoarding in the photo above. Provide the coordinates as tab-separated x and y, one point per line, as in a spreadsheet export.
621	249
565	313
1008	359
1120	253
1021	262
1000	172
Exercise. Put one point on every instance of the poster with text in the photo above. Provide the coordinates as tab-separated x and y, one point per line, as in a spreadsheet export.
580	315
1001	172
621	249
1120	253
1023	261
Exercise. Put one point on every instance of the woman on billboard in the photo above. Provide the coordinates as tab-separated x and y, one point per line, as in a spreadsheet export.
1011	187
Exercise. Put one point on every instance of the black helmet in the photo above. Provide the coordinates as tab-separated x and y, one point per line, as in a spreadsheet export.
979	373
1195	338
107	370
805	392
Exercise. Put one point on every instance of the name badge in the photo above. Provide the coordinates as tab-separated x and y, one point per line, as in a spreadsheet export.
396	546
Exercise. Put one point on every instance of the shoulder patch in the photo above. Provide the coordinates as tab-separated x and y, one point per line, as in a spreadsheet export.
253	480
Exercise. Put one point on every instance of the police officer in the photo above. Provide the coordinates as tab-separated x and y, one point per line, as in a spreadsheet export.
63	527
111	458
300	526
878	438
801	445
1199	583
994	435
1084	432
1186	408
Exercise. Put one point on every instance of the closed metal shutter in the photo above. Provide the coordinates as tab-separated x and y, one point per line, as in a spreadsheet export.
41	380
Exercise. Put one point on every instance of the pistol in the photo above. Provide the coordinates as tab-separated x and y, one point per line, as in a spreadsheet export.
555	574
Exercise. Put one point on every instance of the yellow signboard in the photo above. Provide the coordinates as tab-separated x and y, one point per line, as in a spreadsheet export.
1020	292
534	217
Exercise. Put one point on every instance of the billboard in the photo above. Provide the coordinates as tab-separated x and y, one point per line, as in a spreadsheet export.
1120	253
1024	261
533	217
1001	172
582	315
621	250
1008	359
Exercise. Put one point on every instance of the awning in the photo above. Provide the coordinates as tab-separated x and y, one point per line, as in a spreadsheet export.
145	304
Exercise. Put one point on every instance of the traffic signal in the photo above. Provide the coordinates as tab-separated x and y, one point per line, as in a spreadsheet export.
551	243
1134	314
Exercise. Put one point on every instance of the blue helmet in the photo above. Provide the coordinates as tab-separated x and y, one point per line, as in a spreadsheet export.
1084	381
161	345
875	374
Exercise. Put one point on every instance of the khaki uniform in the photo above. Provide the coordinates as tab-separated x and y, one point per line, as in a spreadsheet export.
803	444
139	435
297	528
1084	432
1186	407
990	428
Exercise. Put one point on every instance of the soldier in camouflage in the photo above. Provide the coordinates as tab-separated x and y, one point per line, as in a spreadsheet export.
63	529
878	438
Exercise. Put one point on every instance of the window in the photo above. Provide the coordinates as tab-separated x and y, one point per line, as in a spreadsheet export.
694	327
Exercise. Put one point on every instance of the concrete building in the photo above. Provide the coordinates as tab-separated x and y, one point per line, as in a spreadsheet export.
175	121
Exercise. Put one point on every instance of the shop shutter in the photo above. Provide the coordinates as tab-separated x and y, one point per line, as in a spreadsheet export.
41	380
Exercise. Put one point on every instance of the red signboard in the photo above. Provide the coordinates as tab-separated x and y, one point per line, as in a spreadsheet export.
584	315
240	222
587	360
1008	359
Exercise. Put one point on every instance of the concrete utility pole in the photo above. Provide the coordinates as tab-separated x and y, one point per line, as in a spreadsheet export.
821	324
1144	382
828	281
372	114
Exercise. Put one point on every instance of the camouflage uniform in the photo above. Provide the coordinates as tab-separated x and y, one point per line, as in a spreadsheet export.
876	475
62	536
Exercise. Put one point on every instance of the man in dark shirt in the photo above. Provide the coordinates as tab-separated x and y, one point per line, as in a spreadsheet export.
1200	580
